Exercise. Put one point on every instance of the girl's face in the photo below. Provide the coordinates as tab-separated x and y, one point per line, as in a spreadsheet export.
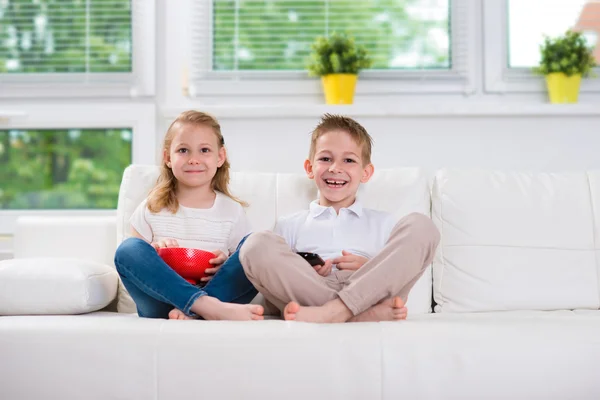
194	155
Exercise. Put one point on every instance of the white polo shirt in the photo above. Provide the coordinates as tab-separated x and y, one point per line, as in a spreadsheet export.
320	230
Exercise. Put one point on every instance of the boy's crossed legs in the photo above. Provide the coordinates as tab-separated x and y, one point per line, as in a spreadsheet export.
374	292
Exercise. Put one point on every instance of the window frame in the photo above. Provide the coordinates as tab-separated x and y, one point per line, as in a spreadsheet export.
460	79
498	76
139	82
141	118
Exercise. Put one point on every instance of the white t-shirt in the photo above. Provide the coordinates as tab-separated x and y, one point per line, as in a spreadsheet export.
220	227
320	230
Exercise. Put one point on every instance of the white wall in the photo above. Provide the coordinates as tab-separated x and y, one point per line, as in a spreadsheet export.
547	143
542	143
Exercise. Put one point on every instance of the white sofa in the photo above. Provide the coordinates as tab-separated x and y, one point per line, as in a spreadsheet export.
516	282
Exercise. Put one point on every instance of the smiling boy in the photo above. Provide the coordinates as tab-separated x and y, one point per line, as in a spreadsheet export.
370	261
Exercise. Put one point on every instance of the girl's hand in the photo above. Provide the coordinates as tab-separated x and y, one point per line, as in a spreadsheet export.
350	261
165	243
217	262
325	269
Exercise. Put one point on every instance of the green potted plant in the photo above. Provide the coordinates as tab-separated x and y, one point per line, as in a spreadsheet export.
337	59
565	59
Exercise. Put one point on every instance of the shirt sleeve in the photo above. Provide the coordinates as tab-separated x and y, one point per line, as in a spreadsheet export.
139	222
240	230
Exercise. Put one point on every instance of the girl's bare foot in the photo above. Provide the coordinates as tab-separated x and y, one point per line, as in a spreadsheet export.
178	314
211	308
332	311
388	310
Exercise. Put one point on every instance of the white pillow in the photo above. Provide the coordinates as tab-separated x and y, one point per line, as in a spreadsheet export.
38	286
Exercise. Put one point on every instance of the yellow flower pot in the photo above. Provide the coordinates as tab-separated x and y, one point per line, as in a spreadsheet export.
563	88
339	88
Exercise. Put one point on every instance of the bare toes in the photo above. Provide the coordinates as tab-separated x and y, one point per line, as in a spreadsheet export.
289	312
397	314
397	302
257	310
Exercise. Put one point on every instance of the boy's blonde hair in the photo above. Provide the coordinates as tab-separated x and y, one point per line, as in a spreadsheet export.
164	194
333	122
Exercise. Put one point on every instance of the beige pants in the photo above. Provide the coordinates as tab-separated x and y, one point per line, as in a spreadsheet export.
283	276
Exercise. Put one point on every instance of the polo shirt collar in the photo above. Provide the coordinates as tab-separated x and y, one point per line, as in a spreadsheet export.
316	209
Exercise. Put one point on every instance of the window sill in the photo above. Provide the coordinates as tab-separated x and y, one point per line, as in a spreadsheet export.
8	218
395	110
6	114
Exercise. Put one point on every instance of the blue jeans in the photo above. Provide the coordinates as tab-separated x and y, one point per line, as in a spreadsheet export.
157	289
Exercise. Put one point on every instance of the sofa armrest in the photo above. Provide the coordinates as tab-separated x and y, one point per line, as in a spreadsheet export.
89	238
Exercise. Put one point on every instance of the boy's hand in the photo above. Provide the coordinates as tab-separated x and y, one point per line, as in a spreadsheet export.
325	269
164	243
217	262
350	261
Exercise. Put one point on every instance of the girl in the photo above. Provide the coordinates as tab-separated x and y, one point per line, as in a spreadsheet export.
190	206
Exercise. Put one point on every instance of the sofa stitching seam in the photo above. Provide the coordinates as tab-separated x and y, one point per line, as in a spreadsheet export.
156	350
443	263
589	185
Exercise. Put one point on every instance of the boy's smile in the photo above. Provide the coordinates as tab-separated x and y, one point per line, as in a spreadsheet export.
335	183
337	169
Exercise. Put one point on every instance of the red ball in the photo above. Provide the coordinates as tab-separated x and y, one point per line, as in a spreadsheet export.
191	264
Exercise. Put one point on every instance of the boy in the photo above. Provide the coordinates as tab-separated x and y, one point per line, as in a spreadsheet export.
370	262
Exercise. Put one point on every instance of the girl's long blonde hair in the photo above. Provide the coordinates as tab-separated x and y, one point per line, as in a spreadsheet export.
164	193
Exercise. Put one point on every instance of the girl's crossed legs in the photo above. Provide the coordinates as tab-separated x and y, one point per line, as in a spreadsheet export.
159	292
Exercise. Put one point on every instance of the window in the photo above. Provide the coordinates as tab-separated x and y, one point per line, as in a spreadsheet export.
85	44
62	168
514	43
67	158
526	34
420	44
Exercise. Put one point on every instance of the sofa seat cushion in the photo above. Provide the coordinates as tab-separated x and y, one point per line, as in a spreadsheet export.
36	286
495	355
509	355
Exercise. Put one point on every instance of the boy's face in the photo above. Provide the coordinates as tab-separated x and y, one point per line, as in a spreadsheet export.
338	169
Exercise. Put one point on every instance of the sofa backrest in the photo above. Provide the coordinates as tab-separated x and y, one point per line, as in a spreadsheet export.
271	195
516	241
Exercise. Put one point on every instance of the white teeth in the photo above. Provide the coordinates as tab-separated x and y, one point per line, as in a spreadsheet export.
333	182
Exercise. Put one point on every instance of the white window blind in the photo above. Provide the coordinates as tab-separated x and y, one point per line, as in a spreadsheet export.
75	42
264	39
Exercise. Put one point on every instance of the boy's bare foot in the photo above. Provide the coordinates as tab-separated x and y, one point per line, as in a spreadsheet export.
178	314
332	311
211	308
387	310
